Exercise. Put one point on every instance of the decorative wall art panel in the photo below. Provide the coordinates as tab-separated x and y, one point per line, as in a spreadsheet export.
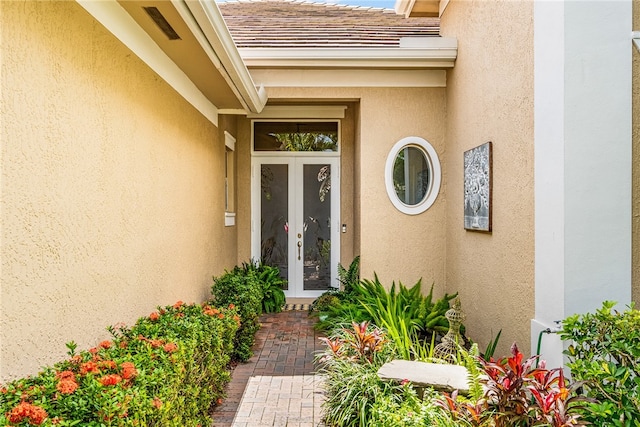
477	188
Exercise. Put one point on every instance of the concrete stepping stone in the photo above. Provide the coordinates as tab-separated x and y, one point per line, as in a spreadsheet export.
441	377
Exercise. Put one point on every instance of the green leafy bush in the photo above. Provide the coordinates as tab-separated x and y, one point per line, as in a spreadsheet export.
273	298
241	288
350	364
604	351
166	370
407	410
410	318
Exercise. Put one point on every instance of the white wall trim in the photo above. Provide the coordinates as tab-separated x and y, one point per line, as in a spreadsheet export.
434	179
583	160
301	112
229	219
270	77
229	141
115	19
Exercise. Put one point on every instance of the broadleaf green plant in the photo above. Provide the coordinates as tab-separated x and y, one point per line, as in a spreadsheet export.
604	351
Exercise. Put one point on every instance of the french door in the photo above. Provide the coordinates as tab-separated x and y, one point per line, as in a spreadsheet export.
295	224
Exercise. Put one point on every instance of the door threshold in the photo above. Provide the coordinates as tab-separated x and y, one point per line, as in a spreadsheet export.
300	300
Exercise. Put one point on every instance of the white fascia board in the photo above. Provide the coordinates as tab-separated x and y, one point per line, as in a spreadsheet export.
117	21
207	23
404	7
636	39
441	56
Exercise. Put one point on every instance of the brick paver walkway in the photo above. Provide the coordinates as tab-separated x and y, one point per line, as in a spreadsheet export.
276	387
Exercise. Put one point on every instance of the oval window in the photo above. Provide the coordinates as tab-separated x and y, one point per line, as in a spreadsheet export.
412	175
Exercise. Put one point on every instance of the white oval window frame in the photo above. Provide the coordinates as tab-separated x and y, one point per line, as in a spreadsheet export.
435	175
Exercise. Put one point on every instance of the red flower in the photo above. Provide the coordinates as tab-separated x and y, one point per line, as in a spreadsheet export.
170	347
105	344
93	350
232	306
157	403
154	316
155	343
65	375
108	364
220	316
67	386
35	414
128	370
111	379
178	304
88	367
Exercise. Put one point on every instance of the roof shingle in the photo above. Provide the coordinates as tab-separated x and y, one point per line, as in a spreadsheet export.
306	24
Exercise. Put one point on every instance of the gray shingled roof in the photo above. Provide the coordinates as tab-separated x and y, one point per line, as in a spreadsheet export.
305	24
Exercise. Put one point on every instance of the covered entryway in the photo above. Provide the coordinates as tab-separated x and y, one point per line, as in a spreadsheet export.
295	184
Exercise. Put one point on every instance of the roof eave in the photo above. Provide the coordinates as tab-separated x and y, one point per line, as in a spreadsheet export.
210	22
442	54
409	8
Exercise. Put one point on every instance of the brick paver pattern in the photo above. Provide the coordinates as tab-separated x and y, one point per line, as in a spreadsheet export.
277	386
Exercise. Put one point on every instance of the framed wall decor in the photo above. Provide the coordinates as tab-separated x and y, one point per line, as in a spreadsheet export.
477	188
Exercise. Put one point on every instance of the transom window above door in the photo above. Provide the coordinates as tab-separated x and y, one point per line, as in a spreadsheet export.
290	136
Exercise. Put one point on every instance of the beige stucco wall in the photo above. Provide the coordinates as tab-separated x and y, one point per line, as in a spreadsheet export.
111	191
636	162
490	98
397	246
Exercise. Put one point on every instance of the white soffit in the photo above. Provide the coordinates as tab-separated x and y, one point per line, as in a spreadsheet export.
429	52
349	78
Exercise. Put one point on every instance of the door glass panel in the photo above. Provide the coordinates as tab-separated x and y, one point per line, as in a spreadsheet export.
317	227
274	217
295	136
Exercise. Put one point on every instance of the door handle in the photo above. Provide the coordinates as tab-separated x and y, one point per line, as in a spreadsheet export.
299	248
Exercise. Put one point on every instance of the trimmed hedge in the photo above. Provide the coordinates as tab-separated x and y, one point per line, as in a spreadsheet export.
168	370
241	288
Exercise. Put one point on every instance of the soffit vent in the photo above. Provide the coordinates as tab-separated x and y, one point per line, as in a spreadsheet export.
162	22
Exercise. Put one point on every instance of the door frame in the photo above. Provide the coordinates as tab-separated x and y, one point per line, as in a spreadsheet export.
296	162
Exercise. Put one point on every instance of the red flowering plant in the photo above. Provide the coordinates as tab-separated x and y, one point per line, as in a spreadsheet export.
166	370
519	394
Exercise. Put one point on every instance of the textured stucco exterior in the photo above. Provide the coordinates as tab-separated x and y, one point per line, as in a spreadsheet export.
112	187
398	247
635	277
490	98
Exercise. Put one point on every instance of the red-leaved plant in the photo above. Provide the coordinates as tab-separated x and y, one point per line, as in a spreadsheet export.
518	394
360	343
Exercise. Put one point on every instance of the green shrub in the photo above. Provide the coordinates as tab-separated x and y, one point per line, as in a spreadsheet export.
273	298
242	288
604	351
166	370
410	318
350	364
407	410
